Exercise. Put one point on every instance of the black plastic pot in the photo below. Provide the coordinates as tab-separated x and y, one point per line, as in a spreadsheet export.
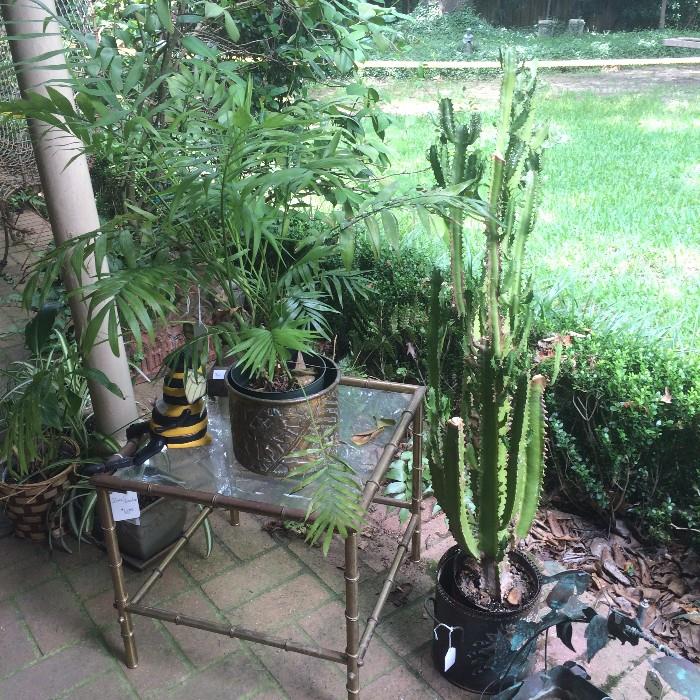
269	430
483	662
241	381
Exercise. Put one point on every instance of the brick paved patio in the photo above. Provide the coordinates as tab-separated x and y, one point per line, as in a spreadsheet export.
59	637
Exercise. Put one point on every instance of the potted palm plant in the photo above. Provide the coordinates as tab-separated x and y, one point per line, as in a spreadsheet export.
246	211
221	179
486	448
266	260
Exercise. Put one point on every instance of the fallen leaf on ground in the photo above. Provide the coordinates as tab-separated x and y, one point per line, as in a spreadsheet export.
611	569
555	526
366	436
399	596
676	586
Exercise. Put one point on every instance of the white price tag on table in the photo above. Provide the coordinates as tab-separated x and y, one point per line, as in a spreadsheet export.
125	506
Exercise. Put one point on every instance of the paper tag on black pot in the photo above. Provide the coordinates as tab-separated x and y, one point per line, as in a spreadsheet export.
125	506
450	658
451	655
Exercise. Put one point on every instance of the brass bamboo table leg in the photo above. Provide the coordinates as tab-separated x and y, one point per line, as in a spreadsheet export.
417	477
121	597
352	616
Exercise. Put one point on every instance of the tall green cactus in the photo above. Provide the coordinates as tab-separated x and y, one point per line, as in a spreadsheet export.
487	463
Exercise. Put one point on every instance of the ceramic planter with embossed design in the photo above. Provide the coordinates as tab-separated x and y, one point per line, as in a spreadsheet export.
269	429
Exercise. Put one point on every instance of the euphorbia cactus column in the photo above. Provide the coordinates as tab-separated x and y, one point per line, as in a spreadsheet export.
487	462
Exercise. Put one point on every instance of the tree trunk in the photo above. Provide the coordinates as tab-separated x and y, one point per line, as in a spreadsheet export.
662	14
447	6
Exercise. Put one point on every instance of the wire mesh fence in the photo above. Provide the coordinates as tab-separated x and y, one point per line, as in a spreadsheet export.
19	176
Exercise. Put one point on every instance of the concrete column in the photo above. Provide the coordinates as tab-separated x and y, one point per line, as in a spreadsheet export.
70	199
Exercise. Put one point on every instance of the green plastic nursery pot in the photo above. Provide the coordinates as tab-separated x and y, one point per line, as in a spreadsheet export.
269	428
481	663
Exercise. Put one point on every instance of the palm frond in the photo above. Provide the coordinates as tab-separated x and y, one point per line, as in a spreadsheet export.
334	489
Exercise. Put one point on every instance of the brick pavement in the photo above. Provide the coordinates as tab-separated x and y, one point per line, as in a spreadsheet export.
59	638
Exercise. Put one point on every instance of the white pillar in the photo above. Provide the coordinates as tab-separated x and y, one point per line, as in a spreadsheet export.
68	190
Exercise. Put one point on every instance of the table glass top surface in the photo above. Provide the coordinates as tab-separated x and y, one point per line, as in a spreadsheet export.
214	469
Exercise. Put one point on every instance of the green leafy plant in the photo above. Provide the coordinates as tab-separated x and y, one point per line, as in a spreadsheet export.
625	414
487	461
223	226
149	57
386	331
400	478
334	490
45	399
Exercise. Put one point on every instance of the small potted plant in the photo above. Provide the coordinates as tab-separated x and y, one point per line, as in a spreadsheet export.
43	412
486	448
141	540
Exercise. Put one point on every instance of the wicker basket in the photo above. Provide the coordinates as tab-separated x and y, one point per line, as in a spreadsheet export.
31	506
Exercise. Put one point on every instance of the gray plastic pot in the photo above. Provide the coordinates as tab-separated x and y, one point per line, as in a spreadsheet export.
160	524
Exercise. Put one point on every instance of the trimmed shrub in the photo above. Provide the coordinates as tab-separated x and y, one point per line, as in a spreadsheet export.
384	332
625	430
624	411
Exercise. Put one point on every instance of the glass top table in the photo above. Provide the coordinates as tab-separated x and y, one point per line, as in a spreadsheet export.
213	468
211	477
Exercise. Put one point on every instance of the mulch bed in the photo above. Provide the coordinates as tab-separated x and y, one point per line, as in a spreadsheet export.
625	573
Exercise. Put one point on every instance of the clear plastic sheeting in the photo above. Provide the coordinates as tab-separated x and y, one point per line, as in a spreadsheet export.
214	469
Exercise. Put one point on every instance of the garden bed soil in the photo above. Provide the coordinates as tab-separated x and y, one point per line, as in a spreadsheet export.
516	586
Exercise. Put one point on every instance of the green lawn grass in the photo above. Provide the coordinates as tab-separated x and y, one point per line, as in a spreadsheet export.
431	36
617	243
